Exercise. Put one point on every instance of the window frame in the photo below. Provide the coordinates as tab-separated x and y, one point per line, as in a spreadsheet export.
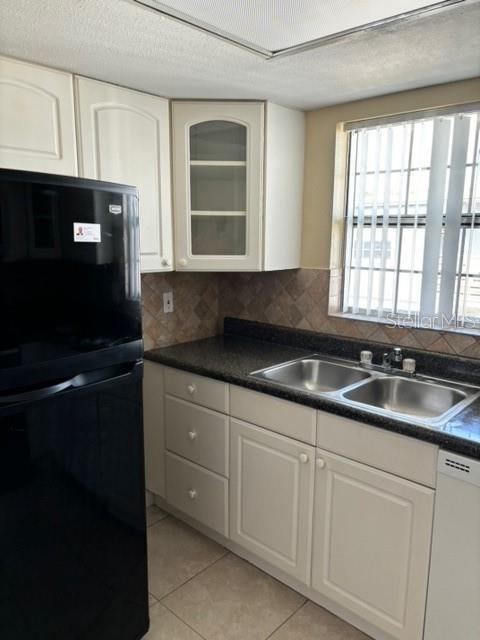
340	228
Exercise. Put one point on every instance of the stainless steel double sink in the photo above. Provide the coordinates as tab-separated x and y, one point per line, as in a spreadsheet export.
422	400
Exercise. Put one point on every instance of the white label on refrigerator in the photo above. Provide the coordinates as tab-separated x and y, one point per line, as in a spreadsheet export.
115	208
86	232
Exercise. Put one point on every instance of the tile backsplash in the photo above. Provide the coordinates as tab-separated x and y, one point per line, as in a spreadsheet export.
296	298
195	307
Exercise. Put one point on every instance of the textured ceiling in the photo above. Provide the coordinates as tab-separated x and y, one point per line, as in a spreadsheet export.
121	42
278	24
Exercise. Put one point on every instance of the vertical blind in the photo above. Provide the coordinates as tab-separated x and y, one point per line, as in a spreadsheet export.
412	231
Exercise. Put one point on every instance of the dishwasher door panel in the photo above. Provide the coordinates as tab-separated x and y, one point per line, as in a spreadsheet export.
453	604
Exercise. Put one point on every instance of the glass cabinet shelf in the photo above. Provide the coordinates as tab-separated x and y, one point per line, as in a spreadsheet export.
219	213
218	163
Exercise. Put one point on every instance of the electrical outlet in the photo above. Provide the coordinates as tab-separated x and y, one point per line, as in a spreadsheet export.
168	302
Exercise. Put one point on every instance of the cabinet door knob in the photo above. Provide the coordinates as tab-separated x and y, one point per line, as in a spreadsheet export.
303	458
191	388
165	263
183	262
192	494
320	463
192	435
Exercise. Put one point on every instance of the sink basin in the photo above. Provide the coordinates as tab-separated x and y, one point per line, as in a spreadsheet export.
313	374
421	400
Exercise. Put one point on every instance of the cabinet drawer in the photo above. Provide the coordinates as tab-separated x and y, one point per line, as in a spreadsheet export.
197	492
198	389
197	433
391	452
288	418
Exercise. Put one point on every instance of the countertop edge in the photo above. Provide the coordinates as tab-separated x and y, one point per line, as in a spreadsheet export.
456	444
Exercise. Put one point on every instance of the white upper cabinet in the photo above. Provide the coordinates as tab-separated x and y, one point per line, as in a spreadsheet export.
238	171
217	181
238	166
124	138
37	124
371	544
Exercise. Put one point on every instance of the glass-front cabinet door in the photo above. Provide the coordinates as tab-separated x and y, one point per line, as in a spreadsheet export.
218	188
218	162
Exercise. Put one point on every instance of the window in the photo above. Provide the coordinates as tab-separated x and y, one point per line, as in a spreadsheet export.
412	227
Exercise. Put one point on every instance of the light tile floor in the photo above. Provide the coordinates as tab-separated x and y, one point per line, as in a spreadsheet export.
201	591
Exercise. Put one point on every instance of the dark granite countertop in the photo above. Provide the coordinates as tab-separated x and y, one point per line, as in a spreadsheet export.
231	358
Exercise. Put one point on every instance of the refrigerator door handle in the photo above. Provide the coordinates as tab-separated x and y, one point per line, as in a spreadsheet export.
87	379
37	394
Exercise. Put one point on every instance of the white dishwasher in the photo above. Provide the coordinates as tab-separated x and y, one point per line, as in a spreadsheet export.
453	603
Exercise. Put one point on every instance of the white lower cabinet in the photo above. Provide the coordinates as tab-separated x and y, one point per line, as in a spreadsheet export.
271	497
351	536
371	544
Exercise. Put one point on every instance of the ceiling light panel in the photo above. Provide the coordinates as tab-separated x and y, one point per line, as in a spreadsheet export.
276	25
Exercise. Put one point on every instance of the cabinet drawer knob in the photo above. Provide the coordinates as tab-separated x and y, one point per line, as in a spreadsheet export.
183	262
320	463
303	458
192	435
192	494
191	388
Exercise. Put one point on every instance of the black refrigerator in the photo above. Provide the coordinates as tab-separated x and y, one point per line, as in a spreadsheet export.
72	493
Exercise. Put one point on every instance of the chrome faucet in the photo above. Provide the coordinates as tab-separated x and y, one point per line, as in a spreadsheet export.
395	355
